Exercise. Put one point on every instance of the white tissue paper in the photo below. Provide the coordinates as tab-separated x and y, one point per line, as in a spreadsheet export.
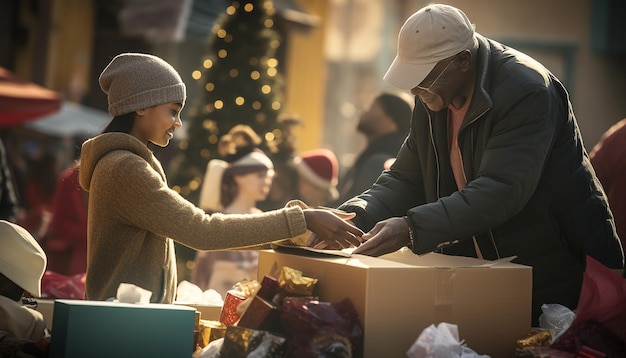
129	293
188	292
441	341
211	350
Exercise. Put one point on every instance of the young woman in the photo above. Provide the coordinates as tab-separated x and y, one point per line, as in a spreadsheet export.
233	185
134	217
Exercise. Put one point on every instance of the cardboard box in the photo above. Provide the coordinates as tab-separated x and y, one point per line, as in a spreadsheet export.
399	296
207	312
111	329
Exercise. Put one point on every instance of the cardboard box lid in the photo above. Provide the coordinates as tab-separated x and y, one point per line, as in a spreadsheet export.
433	259
398	259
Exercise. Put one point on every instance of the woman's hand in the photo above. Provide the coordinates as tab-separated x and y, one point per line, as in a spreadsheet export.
330	230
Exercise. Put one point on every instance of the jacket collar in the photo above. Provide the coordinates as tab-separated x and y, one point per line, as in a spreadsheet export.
481	101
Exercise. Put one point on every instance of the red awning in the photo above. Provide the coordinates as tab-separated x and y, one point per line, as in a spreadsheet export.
21	101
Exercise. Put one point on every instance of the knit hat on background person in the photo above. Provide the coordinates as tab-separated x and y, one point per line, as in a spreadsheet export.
435	32
134	81
22	260
398	108
320	167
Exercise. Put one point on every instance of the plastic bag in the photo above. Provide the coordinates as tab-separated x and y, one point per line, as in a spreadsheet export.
441	341
556	318
54	285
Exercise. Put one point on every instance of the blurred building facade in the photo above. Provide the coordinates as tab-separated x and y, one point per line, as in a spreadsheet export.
334	53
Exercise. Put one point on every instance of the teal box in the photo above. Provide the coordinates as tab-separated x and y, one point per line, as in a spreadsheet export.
112	329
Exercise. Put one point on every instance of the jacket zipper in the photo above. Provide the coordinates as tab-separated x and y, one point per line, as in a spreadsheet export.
491	236
432	141
493	242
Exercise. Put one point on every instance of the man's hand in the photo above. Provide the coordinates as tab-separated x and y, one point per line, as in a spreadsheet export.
330	231
387	236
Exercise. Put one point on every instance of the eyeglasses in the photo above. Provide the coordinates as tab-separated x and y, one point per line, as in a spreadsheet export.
424	88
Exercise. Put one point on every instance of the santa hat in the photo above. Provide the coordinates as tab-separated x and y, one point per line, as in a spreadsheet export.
320	167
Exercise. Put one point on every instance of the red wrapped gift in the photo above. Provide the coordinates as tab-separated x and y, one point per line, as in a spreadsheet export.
269	288
229	315
261	315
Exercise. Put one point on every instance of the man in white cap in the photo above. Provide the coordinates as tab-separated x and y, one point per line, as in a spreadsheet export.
494	165
22	264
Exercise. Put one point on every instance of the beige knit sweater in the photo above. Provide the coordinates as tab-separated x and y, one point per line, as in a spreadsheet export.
134	216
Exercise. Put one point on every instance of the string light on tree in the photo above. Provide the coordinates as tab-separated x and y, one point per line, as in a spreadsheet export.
241	84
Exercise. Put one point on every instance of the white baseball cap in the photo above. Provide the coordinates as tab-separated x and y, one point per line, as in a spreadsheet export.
433	33
22	260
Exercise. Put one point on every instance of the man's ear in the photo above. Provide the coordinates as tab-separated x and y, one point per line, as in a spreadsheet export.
140	112
465	59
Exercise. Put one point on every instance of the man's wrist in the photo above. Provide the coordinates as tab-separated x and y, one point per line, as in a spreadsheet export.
411	244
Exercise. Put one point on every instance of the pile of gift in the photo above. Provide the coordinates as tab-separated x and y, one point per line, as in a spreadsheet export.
280	317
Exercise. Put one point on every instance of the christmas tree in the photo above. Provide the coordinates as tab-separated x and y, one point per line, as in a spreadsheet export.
241	84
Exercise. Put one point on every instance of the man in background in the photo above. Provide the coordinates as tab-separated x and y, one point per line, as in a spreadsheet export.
385	124
8	200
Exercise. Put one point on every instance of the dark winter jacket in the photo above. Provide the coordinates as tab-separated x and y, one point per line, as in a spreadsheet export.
531	191
369	164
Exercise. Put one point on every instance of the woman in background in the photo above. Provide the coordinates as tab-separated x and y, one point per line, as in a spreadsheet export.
233	186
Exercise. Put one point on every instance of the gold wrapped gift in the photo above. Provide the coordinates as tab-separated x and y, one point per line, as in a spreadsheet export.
208	331
292	281
536	337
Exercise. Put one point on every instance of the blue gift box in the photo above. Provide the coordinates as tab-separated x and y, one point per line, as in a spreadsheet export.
112	329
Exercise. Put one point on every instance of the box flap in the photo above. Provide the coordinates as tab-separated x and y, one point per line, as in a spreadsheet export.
309	251
406	256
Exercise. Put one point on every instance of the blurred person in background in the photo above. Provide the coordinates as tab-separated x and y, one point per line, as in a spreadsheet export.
608	158
318	172
233	185
8	199
65	241
40	186
385	125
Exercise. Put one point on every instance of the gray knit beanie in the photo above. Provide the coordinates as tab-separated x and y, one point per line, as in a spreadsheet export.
134	81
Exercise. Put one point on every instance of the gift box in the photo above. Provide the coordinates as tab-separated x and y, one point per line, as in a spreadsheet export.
261	315
112	329
398	296
240	342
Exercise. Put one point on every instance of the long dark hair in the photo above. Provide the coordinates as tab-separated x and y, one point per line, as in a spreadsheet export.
122	123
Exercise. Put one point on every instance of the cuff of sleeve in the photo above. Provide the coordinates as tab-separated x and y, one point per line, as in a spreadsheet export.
411	244
296	220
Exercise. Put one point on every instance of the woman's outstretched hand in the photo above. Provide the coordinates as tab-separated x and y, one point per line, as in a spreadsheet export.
331	230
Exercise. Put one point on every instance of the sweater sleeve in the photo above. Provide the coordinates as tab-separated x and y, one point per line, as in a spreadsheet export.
141	198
